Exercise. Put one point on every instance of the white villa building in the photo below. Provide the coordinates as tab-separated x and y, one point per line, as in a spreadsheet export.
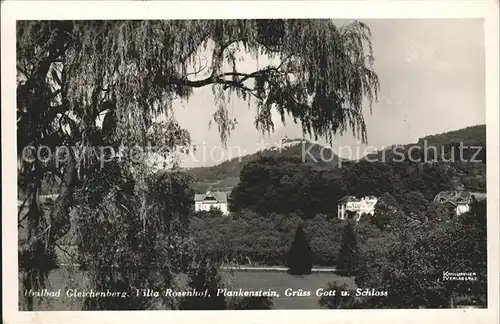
212	200
359	206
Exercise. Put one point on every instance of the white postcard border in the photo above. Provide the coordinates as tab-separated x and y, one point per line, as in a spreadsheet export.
20	10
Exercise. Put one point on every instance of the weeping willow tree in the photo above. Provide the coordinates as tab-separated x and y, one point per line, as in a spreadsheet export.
70	74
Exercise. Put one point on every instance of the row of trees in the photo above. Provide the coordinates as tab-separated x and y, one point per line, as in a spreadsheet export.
285	185
408	263
265	238
393	251
252	238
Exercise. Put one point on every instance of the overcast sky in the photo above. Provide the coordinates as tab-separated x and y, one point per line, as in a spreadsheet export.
432	80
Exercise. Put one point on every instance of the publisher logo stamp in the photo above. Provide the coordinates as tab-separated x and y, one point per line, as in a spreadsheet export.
459	276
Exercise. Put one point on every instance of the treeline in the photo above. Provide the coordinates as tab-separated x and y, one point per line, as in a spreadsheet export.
410	261
468	135
402	253
249	238
285	185
407	266
402	249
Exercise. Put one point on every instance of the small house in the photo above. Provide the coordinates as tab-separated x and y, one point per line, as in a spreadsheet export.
457	202
212	200
357	206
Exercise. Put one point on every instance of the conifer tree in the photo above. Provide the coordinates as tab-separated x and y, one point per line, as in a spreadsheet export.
349	251
300	255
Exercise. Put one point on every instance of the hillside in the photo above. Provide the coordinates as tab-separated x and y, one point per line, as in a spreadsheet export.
469	136
441	143
468	162
225	175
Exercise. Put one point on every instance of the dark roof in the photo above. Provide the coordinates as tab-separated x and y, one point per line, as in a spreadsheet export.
349	199
454	197
199	197
220	196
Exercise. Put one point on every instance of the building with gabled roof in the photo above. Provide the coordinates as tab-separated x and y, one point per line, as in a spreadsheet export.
212	200
358	206
458	201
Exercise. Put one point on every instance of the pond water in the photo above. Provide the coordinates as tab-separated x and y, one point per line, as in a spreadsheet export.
279	282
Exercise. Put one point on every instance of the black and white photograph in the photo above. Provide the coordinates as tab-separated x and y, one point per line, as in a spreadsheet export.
275	163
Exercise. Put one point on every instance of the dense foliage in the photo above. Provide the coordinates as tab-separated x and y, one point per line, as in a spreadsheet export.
132	254
471	175
409	263
285	185
248	238
203	276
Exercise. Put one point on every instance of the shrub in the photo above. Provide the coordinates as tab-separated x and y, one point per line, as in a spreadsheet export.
204	276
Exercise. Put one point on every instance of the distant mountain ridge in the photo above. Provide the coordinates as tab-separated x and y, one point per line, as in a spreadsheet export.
468	137
225	175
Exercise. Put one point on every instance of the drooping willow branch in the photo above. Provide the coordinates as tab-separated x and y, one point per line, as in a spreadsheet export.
71	72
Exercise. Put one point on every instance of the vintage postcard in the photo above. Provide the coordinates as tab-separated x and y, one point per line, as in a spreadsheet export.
250	161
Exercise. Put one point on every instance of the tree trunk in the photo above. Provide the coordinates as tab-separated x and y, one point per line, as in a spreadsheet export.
59	216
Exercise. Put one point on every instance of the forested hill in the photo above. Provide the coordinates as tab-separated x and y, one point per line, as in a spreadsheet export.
469	136
445	145
283	185
225	175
